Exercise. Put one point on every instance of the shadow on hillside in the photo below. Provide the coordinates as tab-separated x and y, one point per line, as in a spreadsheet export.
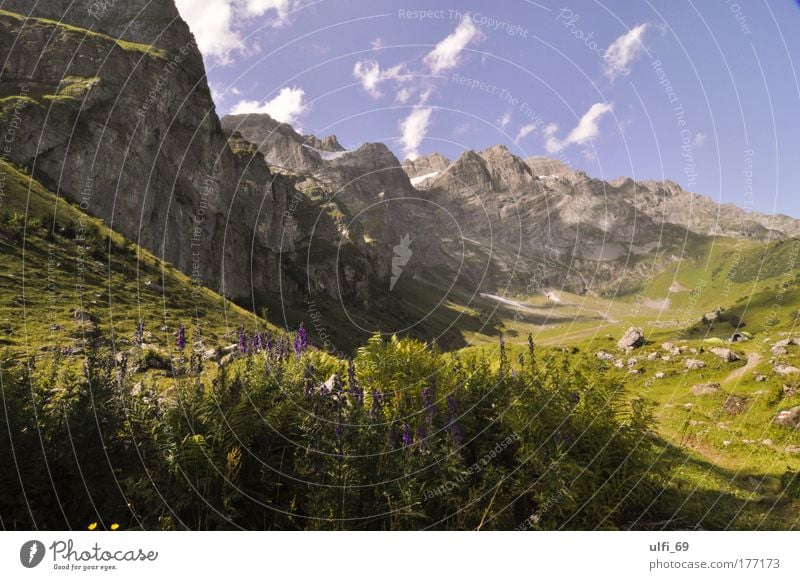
742	500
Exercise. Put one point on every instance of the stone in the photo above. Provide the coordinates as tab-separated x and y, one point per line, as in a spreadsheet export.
705	389
786	370
788	418
735	405
725	354
633	338
693	364
603	355
660	375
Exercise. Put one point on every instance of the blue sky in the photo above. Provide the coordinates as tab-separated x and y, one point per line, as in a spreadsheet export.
702	93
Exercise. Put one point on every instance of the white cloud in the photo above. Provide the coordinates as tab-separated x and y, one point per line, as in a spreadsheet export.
524	131
445	55
414	128
286	107
623	51
700	139
370	75
402	96
260	7
217	25
504	120
586	129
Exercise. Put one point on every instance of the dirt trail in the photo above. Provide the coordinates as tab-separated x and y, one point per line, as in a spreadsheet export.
753	360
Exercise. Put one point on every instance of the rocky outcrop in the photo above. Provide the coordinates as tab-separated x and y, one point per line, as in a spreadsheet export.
425	165
279	143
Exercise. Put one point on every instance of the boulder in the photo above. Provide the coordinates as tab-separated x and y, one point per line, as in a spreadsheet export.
693	364
779	348
734	405
788	418
633	338
705	389
725	354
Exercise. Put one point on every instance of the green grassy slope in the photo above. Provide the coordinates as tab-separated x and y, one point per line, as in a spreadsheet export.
59	266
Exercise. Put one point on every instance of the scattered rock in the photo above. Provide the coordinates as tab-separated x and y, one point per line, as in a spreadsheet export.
793	449
735	405
652	356
83	316
788	418
712	316
660	375
633	338
759	378
668	346
705	389
603	355
725	354
767	442
741	337
726	443
693	364
786	370
791	390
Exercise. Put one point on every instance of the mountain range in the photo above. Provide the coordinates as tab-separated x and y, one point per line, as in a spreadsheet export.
118	118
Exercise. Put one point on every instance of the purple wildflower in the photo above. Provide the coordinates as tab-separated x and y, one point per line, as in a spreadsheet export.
452	419
300	340
181	337
427	404
377	403
242	340
138	337
408	434
422	434
356	392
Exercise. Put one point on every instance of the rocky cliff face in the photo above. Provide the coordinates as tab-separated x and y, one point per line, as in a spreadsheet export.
116	99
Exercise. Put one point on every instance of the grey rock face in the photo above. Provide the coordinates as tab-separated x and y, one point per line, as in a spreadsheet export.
425	165
129	131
